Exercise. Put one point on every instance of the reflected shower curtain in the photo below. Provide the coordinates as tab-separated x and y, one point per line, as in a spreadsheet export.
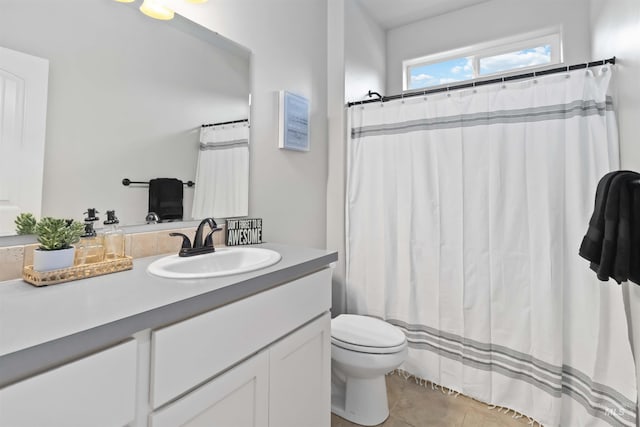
465	212
222	176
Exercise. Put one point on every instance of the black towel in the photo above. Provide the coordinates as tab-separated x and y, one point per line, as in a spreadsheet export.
613	237
620	271
634	263
165	198
591	246
612	221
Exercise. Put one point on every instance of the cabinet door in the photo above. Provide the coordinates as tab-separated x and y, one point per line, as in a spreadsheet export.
98	390
237	398
300	382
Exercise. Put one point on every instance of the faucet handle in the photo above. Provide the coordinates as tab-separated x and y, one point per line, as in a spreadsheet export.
208	241
186	243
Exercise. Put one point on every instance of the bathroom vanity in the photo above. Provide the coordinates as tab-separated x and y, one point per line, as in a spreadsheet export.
132	349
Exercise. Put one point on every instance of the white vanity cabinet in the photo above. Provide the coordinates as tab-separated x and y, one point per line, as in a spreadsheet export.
136	350
97	390
261	361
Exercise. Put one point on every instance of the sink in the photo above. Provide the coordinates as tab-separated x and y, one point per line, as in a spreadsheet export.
222	262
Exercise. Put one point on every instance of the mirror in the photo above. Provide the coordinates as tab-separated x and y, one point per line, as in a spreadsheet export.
127	96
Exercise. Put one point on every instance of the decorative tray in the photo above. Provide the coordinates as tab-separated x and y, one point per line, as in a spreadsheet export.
83	271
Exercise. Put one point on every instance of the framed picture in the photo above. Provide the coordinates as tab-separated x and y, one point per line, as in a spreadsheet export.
294	122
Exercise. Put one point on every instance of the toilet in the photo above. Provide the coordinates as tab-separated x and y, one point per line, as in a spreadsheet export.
363	350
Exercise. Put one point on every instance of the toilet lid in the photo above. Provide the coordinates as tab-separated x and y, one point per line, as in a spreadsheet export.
364	331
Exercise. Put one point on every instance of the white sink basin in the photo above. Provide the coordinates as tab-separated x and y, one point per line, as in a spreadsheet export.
222	262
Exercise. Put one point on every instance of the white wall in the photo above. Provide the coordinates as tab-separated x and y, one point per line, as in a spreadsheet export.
336	124
365	53
485	22
126	97
289	52
616	31
356	64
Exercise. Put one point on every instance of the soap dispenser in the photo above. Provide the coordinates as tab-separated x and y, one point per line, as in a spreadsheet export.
113	237
90	248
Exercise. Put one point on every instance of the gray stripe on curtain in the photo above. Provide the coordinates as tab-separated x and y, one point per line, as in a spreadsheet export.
224	144
552	379
556	372
523	115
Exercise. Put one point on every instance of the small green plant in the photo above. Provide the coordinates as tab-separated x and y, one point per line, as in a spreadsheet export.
54	234
25	223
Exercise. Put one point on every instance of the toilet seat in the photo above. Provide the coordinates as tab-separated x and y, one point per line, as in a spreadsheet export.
365	334
365	349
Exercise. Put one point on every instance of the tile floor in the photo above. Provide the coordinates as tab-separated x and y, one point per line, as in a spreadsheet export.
413	405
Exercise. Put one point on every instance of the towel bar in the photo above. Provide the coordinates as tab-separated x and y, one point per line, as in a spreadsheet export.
127	181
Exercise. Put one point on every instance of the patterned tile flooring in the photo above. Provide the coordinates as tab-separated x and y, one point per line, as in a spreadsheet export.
413	405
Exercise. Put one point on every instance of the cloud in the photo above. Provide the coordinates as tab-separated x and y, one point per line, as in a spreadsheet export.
445	80
524	58
422	76
467	67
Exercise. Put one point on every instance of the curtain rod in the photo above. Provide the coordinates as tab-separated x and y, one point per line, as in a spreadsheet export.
381	98
227	123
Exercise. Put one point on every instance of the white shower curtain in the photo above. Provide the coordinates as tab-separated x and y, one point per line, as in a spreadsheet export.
222	177
465	212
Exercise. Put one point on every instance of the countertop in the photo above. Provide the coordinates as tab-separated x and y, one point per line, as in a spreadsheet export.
43	327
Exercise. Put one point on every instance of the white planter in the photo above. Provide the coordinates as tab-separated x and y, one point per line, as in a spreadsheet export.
53	260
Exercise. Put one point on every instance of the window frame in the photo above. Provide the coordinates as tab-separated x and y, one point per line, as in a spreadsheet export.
477	52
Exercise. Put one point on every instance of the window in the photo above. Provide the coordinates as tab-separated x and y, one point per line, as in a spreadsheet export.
520	53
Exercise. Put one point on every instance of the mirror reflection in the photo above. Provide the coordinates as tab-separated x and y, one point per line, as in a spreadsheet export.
126	98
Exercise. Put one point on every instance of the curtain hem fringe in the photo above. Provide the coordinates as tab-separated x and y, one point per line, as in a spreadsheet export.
455	393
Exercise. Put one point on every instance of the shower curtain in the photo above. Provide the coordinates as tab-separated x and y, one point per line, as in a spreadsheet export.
465	212
222	175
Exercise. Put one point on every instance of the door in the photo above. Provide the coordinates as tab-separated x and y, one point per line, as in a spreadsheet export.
23	113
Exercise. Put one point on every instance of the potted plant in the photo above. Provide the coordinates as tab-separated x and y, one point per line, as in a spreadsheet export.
56	237
25	223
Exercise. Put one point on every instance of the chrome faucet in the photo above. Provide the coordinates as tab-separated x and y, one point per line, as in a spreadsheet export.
199	246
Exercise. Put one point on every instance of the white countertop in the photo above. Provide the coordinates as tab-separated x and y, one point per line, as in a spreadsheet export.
121	303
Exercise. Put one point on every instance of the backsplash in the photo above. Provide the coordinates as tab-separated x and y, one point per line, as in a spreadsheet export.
137	245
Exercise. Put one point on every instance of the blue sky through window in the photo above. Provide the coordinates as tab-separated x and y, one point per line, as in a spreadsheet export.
509	61
454	70
460	69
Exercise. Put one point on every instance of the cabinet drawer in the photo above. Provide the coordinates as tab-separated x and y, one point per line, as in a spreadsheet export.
98	390
190	352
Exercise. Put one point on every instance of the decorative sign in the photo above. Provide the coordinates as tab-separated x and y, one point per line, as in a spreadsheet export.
243	231
294	122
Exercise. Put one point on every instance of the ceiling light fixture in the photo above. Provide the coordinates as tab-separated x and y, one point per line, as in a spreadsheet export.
153	9
156	10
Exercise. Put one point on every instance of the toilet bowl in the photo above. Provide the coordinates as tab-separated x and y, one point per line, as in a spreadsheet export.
363	350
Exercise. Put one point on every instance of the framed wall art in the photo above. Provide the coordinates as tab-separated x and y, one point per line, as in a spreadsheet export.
293	122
